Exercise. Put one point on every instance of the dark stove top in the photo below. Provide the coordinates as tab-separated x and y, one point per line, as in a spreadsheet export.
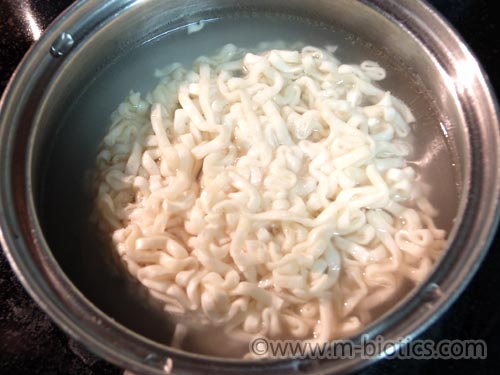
30	343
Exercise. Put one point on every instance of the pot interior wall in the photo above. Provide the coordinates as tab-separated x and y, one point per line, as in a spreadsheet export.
105	66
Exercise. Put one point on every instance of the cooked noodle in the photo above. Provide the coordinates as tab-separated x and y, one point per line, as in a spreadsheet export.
268	193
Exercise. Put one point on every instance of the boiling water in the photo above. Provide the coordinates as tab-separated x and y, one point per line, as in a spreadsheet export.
90	263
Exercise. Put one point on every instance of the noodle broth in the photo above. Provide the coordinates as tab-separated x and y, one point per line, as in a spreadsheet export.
85	256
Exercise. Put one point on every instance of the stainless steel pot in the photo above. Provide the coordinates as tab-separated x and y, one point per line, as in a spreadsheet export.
87	37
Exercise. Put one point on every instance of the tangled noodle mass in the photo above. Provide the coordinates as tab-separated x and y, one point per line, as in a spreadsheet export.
267	193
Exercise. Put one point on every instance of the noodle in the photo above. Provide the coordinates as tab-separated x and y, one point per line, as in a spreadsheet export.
267	193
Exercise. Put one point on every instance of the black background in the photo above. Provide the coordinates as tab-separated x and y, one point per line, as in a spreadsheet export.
30	343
